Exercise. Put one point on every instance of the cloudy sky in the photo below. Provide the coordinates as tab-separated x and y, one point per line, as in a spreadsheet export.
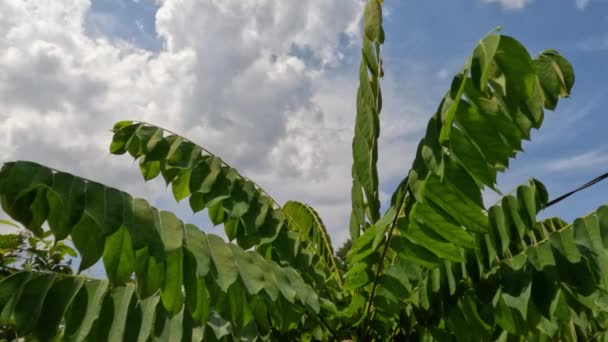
270	85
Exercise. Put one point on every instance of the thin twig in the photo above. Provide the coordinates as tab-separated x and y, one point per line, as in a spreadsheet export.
328	328
582	187
380	263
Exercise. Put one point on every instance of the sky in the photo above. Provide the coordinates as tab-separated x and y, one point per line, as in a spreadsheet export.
269	85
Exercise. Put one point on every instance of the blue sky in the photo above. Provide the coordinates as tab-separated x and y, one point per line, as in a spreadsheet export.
274	93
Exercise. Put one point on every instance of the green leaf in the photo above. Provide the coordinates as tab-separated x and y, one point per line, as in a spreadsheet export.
510	206
357	217
471	158
171	293
104	206
148	310
602	214
527	204
172	329
11	288
85	310
520	79
450	105
171	230
480	130
198	301
222	187
250	272
306	220
56	302
181	185
559	306
123	131
223	261
498	225
234	307
150	273
433	219
149	169
369	56
372	21
556	77
433	242
564	243
216	213
143	229
66	203
205	174
29	307
183	154
121	297
461	180
231	227
482	60
88	239
119	256
19	178
519	301
10	241
541	256
412	252
456	204
196	242
358	276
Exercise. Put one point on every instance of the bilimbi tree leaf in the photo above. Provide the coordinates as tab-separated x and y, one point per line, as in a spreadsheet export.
366	199
436	265
249	216
443	236
150	259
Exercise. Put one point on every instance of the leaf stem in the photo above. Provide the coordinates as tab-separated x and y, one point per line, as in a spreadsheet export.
328	328
380	263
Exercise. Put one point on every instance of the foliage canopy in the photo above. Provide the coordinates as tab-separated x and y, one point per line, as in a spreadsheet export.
435	265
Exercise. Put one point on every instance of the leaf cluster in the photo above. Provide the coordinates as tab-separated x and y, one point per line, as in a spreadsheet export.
436	265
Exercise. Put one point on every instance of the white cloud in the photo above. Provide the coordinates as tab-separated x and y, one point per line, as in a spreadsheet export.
594	43
510	4
238	77
442	74
519	4
585	161
582	4
262	83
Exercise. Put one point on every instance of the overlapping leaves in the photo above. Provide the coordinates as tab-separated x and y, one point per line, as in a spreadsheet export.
248	215
492	105
543	280
365	195
195	276
306	221
436	266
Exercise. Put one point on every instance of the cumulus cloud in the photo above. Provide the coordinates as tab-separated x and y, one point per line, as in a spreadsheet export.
587	161
265	84
238	77
519	4
582	4
510	4
598	42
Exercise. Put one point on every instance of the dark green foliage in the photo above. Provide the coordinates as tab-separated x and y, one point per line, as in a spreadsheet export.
437	265
134	251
